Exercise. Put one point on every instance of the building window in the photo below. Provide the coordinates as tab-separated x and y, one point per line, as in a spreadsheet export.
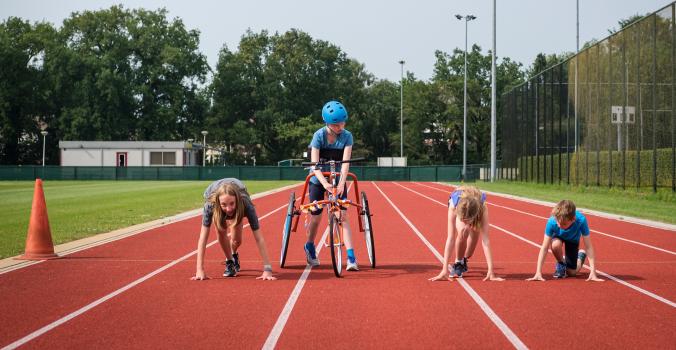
162	158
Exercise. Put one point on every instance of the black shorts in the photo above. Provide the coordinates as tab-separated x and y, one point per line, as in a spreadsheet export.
570	248
317	194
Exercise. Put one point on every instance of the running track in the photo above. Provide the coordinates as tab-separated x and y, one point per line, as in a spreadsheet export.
136	293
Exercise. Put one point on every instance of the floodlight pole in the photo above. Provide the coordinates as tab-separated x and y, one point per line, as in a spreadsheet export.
401	110
493	102
467	18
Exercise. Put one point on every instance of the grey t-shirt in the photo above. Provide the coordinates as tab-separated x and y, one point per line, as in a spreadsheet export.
216	184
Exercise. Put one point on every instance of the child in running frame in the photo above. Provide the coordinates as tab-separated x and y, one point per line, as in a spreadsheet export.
226	203
467	220
331	142
562	235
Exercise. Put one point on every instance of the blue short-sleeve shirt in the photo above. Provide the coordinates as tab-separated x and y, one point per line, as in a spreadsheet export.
578	228
320	141
455	198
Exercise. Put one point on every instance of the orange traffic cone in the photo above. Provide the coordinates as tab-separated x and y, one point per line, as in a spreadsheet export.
39	244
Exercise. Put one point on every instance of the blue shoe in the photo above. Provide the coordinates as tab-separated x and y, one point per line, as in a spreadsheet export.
560	270
582	256
464	265
310	255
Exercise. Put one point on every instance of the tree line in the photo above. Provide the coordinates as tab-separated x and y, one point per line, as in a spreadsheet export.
134	74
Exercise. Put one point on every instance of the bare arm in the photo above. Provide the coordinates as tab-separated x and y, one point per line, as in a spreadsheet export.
448	248
201	248
344	168
546	242
592	259
314	157
486	244
262	249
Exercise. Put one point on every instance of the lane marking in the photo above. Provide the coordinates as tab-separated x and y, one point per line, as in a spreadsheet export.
592	230
636	288
278	328
513	338
109	296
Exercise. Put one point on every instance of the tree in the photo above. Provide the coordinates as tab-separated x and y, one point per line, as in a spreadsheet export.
23	89
281	81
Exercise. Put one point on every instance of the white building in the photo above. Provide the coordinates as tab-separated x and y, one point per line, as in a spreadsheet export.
129	153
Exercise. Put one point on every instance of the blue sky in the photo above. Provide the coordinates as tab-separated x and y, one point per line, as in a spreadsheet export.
379	33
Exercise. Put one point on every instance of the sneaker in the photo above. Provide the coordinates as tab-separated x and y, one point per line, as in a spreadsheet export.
310	256
582	256
352	266
458	269
560	270
230	270
235	257
464	265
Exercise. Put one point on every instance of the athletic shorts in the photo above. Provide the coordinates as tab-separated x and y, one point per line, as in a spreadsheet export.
317	194
571	248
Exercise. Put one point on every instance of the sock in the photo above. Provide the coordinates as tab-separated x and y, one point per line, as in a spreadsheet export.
458	261
350	255
310	246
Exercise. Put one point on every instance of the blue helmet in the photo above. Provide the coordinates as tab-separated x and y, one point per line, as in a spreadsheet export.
334	112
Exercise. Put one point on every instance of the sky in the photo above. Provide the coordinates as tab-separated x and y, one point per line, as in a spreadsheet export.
379	33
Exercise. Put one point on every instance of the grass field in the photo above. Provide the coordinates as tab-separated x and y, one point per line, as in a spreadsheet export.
78	209
660	206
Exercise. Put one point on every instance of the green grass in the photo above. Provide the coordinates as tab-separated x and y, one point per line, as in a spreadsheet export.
645	204
78	209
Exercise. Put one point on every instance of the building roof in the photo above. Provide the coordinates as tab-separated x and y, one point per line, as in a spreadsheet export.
129	144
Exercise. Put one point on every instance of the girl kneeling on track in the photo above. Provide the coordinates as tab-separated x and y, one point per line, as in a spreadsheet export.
332	142
562	235
467	218
227	202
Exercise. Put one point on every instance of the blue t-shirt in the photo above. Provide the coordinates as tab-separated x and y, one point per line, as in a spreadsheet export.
572	233
455	198
320	141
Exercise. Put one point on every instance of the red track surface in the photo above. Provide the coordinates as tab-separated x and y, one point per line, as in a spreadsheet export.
392	306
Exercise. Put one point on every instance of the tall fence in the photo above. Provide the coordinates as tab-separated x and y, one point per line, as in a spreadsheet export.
449	173
605	117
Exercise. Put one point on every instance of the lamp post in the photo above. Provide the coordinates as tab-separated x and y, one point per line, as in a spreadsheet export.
577	53
44	138
401	110
204	153
467	18
493	103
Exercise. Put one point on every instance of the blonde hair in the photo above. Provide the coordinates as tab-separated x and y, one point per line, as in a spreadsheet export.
564	209
219	215
470	206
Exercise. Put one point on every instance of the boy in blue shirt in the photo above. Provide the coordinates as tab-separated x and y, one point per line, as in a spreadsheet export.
331	142
562	235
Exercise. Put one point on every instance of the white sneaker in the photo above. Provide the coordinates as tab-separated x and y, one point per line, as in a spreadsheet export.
352	266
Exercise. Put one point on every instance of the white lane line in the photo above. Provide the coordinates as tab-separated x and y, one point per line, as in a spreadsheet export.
277	329
101	300
627	284
475	296
595	231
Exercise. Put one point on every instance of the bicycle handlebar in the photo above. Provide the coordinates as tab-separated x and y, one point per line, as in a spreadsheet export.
326	162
